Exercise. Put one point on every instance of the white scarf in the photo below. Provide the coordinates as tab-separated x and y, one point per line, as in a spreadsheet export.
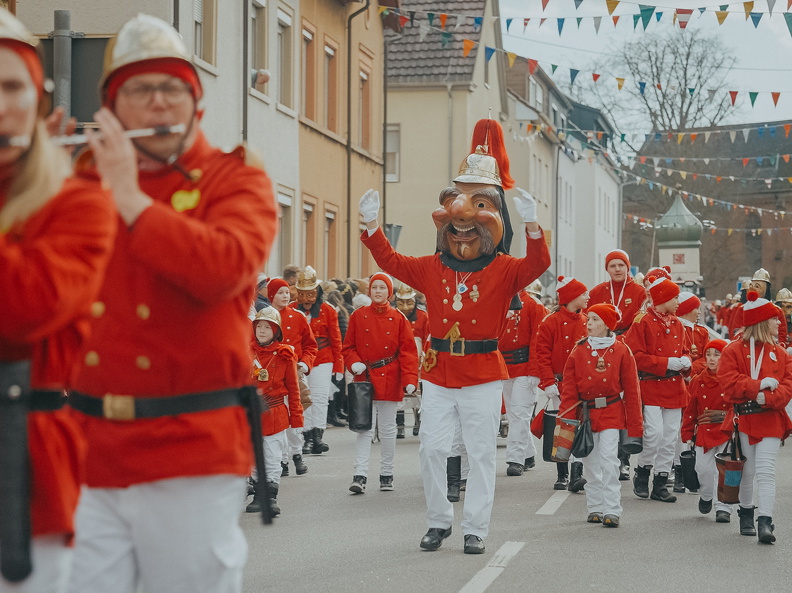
601	343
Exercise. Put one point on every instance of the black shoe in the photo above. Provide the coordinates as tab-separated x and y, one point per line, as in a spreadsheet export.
659	490
475	545
254	506
308	444
416	429
284	469
624	471
319	446
705	506
400	432
434	538
299	464
358	485
641	481
251	486
747	526
722	517
576	479
679	479
272	503
530	463
610	521
562	483
766	528
514	469
386	483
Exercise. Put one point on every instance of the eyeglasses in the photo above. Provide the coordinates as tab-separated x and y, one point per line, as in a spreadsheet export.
172	93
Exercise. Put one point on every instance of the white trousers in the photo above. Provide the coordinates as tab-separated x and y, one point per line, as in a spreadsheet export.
179	535
477	409
661	431
760	462
294	443
319	382
275	445
520	400
52	562
601	470
384	418
708	476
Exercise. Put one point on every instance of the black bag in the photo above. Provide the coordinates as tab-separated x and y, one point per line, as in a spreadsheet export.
583	443
360	406
548	428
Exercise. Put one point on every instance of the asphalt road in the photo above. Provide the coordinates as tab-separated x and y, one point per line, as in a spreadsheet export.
328	540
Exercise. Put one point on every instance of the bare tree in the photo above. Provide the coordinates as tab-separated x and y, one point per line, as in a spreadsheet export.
684	74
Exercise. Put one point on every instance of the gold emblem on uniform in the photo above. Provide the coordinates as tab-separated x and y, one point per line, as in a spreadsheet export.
627	301
185	200
694	351
263	375
430	360
600	365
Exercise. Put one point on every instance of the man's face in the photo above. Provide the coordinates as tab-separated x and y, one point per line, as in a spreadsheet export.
281	298
469	222
156	99
617	270
306	297
18	103
406	306
787	309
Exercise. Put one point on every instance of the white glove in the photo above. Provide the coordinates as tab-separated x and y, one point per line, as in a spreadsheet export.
303	367
768	383
369	205
552	391
338	376
409	390
675	364
525	205
685	362
533	383
357	368
760	398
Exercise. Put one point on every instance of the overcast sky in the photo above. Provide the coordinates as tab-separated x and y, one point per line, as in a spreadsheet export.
763	53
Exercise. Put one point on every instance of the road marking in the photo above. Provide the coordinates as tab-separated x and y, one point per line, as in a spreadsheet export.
484	578
553	503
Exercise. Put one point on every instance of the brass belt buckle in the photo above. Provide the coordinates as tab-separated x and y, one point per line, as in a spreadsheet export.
453	340
600	402
430	360
118	407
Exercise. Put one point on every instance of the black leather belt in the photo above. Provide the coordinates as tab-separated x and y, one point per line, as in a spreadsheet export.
518	356
461	347
129	407
644	376
749	407
322	342
381	363
45	401
601	402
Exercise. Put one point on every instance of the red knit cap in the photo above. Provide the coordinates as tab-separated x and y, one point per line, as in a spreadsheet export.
31	59
569	289
661	290
688	302
617	254
274	285
609	314
719	345
385	278
170	66
757	310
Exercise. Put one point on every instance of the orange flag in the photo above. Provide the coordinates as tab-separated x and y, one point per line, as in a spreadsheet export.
532	66
733	95
787	127
722	14
467	45
443	19
615	20
693	137
775	98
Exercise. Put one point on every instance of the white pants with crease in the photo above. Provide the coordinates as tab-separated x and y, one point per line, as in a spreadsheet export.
520	400
52	562
601	471
320	383
760	463
384	418
708	476
661	432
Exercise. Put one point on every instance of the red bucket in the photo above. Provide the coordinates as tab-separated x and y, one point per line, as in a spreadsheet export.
563	436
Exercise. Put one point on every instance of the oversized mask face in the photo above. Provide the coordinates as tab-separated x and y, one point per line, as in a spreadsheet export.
306	297
759	286
406	306
469	222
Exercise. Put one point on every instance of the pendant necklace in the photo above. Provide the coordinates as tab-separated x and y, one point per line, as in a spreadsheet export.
600	368
461	288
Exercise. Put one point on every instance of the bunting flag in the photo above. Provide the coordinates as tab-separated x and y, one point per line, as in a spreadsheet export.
443	19
770	5
512	56
683	16
423	31
477	22
612	4
753	98
488	53
525	24
642	87
467	45
579	2
445	38
788	19
560	25
595	77
615	20
532	66
598	20
620	84
508	24
403	20
554	66
430	16
733	95
544	4
572	74
756	17
748	6
775	98
721	16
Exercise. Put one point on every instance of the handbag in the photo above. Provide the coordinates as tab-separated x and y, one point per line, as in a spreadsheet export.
583	443
730	464
537	424
360	406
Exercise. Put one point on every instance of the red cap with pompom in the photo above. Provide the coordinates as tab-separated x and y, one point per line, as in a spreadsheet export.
757	309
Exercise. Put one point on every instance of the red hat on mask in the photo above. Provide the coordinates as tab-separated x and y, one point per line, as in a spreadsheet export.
385	278
609	314
719	345
569	289
664	272
662	290
757	309
274	285
617	254
688	302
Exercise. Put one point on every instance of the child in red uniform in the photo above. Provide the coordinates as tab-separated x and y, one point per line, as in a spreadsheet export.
275	369
601	375
379	347
703	417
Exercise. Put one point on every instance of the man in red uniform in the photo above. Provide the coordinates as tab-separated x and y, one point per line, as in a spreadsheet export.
158	394
657	340
419	322
519	390
469	284
620	290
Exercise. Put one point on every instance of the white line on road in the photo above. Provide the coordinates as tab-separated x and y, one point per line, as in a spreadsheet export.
553	503
484	578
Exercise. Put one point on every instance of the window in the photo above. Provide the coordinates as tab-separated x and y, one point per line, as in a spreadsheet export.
205	18
539	98
284	62
329	250
532	91
258	39
392	141
309	232
554	114
364	111
330	89
308	76
281	254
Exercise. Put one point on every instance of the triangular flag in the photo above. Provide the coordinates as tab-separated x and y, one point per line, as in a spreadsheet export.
460	19
702	10
691	91
525	24
612	4
512	56
683	15
572	74
770	5
620	84
578	3
642	87
745	161
403	20
746	132
560	25
711	94
748	6
553	68
595	77
787	127
477	22
756	17
445	37
508	24
636	18
431	17
733	95
786	159
658	16
544	4
579	20
443	19
615	20
721	16
752	96
693	137
775	98
467	45
412	18
423	30
383	10
733	135
788	19
598	20
532	66
683	174
488	53
679	138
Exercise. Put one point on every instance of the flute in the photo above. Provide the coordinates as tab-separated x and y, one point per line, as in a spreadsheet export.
77	139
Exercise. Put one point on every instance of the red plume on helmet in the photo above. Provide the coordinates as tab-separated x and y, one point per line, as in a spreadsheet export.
488	132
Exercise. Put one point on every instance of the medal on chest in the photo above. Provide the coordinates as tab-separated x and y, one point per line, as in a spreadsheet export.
461	288
263	375
694	351
600	366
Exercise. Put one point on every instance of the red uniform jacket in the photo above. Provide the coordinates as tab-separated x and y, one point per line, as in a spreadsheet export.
558	334
697	337
172	319
652	344
629	305
734	374
483	319
297	333
377	333
521	328
419	321
706	393
583	382
327	334
50	271
280	363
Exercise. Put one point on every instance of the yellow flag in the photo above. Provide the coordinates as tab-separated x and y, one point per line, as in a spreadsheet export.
683	174
512	56
620	83
612	4
729	232
748	8
721	15
679	138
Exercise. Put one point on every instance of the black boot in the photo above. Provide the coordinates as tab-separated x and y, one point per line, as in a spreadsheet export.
417	425
562	483
272	502
766	527
332	417
659	490
308	444
641	481
454	476
624	468
747	526
679	479
319	446
255	504
284	469
400	424
576	479
299	464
